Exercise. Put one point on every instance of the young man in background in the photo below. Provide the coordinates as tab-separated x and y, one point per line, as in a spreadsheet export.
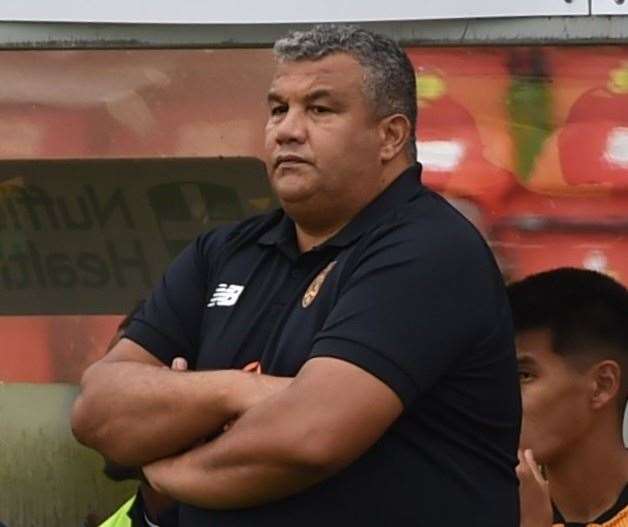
572	347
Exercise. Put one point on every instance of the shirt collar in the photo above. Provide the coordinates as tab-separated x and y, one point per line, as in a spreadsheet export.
400	191
620	504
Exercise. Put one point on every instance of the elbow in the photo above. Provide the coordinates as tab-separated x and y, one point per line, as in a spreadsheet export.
85	425
84	422
91	427
96	434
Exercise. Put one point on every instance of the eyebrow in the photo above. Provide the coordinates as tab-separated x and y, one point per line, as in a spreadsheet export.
525	360
316	94
273	97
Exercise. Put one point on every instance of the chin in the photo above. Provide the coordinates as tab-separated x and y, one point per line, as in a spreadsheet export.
295	207
291	193
300	209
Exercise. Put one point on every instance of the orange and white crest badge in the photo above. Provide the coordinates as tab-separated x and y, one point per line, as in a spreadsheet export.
316	284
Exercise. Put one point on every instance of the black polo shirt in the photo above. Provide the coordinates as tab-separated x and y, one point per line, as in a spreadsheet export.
408	291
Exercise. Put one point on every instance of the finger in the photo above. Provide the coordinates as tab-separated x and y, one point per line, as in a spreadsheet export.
522	468
533	465
179	364
253	367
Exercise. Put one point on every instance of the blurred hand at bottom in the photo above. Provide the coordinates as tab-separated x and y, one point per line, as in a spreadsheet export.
534	495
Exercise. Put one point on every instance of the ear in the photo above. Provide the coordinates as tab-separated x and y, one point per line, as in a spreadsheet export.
606	382
394	132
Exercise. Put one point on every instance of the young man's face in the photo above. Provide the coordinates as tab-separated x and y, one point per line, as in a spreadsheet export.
322	142
555	396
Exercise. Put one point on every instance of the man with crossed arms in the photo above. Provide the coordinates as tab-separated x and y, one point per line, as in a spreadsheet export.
375	310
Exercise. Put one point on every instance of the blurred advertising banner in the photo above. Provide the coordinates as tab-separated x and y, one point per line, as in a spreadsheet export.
120	166
93	236
82	240
586	148
463	138
532	145
573	162
48	348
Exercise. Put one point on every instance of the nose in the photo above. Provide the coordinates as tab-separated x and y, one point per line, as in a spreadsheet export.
291	128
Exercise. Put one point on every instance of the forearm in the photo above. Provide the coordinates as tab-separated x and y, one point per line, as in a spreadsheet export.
238	469
327	418
135	413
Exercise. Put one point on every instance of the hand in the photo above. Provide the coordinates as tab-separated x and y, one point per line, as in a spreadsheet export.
152	472
534	495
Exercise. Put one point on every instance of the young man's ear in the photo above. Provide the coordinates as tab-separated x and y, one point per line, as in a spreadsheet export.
395	131
606	379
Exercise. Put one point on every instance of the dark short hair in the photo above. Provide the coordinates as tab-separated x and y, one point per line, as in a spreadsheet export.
389	81
585	311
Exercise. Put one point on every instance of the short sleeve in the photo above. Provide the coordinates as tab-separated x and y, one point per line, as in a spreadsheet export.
168	323
418	299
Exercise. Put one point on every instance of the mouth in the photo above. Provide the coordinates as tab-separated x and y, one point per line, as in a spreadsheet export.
289	159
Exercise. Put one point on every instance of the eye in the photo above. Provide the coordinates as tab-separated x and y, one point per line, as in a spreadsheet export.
319	110
278	109
525	375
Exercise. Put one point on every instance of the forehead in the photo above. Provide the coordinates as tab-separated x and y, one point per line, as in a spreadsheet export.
534	341
534	346
336	73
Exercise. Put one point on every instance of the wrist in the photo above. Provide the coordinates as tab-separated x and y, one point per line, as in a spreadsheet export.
234	385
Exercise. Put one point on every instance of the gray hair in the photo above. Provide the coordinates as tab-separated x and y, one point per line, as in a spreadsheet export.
389	81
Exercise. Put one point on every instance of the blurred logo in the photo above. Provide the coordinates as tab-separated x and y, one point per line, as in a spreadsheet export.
316	284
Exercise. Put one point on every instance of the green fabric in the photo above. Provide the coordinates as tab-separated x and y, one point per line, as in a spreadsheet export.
530	107
120	518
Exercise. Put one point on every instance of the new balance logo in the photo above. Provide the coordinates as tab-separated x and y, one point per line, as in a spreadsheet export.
226	295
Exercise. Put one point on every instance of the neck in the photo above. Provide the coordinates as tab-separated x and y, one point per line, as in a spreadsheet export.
307	239
587	481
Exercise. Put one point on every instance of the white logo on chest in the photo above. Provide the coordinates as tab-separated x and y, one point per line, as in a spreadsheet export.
226	295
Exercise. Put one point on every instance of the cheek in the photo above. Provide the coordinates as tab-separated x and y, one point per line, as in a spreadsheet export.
269	137
345	143
552	419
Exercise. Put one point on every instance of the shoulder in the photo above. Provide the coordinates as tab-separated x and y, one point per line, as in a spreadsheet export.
429	228
430	216
438	256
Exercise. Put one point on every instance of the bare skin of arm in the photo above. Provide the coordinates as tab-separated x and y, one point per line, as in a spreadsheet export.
135	410
328	417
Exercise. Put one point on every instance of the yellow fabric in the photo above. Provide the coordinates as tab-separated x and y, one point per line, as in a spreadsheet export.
120	518
619	520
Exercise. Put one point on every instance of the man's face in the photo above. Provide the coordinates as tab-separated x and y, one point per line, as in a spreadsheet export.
555	395
322	141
